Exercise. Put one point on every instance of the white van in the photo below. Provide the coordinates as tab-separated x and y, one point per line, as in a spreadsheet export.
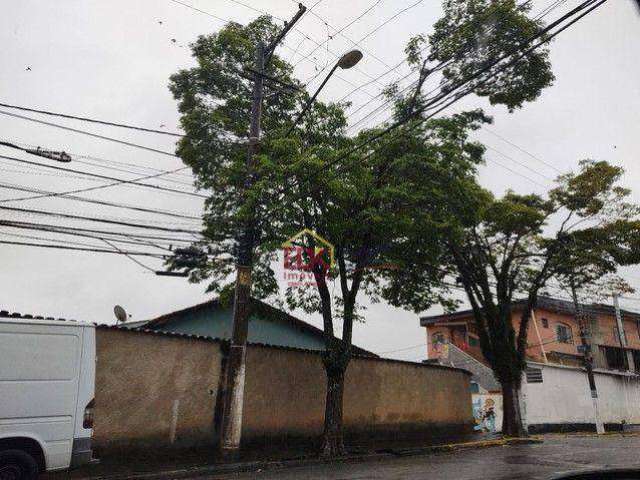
47	377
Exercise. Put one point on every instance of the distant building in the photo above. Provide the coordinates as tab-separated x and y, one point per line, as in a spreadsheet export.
267	325
553	335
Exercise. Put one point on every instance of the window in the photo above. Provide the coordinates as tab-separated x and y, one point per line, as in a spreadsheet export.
636	359
534	375
563	333
615	358
475	388
545	322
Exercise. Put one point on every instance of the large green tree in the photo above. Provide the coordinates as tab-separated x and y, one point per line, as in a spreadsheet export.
372	203
214	102
513	246
367	209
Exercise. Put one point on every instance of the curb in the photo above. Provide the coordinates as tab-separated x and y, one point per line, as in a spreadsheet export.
259	466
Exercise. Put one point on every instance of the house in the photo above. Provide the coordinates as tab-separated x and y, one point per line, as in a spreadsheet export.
553	335
267	325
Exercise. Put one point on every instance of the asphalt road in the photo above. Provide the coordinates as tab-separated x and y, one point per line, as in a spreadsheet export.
558	454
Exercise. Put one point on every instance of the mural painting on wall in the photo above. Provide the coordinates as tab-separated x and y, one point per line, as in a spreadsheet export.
484	414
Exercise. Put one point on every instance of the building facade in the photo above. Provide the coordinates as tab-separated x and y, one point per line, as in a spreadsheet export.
553	335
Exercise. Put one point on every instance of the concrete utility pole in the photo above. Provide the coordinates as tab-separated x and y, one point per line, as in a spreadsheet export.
235	374
622	336
588	358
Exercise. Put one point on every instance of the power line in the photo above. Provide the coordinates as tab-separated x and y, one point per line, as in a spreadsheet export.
24	146
84	132
338	31
95	250
358	43
495	134
99	220
223	20
88	189
91	120
129	256
438	67
413	347
77	231
105	177
36	237
98	202
442	98
77	234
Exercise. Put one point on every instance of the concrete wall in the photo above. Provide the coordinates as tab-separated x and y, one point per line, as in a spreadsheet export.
154	389
563	399
285	395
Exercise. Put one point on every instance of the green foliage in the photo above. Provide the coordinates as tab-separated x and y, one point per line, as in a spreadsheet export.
380	212
214	101
506	251
474	33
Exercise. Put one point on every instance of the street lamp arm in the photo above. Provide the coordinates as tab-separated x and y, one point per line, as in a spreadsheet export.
348	60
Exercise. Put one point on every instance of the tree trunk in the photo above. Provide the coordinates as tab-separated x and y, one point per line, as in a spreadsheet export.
332	439
512	424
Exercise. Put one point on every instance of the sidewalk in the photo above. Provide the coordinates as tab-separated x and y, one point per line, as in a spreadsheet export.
202	462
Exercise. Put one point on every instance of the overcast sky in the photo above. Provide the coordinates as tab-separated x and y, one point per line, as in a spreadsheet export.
112	59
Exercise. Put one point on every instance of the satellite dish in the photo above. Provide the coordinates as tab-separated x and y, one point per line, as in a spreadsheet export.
120	313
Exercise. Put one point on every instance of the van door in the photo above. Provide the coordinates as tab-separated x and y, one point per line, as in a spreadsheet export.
39	375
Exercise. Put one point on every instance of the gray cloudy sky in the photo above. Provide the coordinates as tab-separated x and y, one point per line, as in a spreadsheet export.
112	59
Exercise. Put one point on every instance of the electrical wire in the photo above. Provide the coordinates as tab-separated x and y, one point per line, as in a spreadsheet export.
91	120
436	68
77	231
76	156
84	132
99	220
589	3
88	189
94	250
106	177
166	213
593	4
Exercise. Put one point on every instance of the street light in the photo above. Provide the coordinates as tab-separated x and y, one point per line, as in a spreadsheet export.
348	60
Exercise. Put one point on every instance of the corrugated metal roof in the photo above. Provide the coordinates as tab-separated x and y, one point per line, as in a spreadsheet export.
267	311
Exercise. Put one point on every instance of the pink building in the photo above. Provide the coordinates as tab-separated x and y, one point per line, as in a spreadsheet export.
553	335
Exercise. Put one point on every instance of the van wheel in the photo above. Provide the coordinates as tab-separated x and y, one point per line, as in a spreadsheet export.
17	465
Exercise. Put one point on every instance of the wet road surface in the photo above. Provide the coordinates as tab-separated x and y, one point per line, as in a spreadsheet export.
558	454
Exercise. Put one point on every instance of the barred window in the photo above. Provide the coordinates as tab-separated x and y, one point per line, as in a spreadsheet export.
563	333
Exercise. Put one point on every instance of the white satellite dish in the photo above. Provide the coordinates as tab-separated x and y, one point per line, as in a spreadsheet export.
120	313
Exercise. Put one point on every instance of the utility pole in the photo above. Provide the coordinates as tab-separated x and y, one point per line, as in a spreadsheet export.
588	357
235	374
622	336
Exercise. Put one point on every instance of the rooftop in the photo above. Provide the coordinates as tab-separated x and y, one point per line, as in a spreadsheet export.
544	303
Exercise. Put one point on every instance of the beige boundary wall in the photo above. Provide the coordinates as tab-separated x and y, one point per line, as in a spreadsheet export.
162	390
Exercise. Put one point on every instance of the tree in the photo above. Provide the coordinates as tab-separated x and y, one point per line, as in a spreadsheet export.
474	33
371	207
366	209
214	101
505	252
